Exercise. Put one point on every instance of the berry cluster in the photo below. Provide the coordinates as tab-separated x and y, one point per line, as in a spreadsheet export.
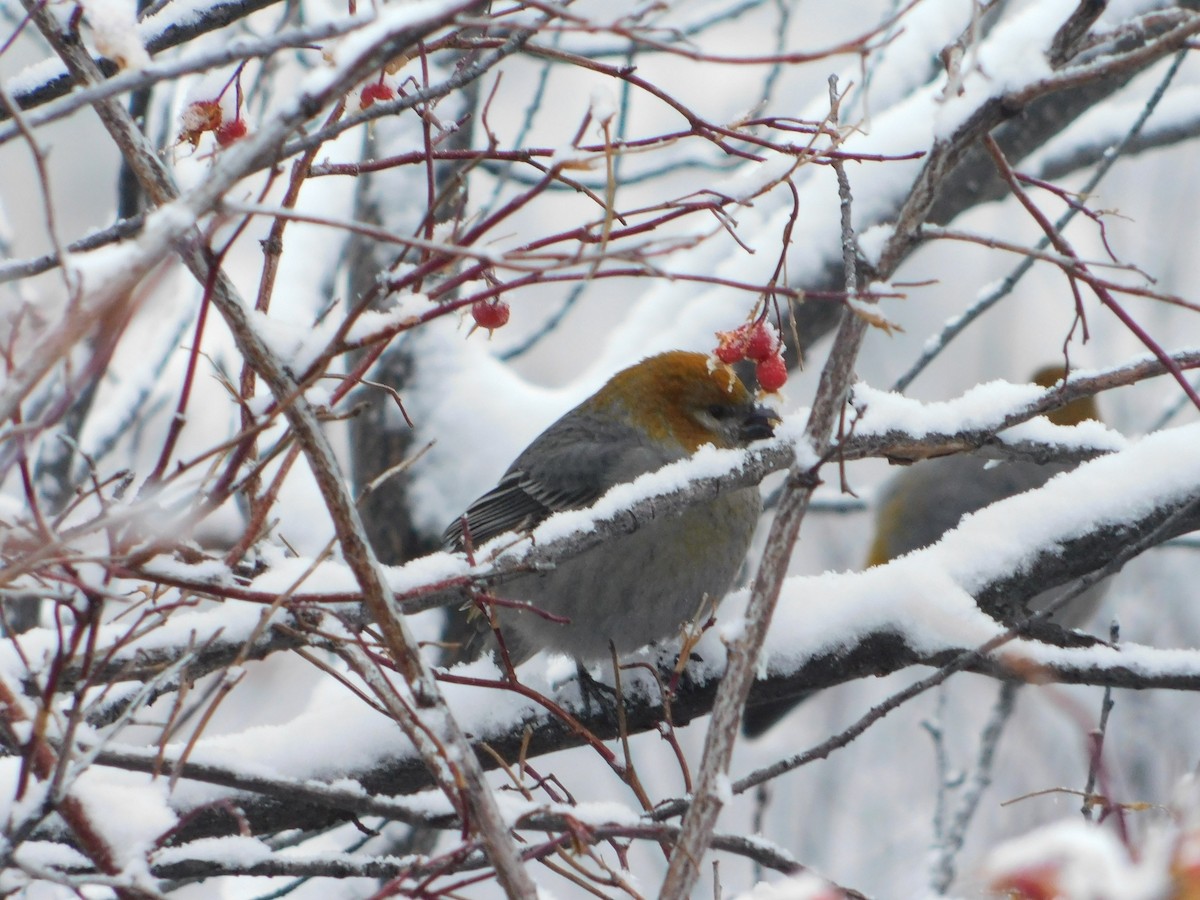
759	342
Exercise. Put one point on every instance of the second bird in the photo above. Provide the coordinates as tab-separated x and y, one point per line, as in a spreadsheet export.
927	499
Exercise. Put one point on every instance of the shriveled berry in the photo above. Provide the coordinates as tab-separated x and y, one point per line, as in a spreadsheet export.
772	373
762	342
197	118
233	130
490	314
375	92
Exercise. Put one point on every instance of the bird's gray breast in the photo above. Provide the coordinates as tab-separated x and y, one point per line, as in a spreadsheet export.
635	588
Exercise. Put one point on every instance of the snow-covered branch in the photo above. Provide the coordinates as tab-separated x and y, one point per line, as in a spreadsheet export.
274	805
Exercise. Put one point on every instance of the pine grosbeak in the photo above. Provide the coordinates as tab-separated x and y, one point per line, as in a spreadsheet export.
927	499
640	587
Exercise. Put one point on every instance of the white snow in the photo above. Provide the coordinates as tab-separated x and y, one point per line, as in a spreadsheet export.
707	462
372	323
114	29
382	22
872	241
927	595
231	620
805	886
1075	859
44	854
1013	57
296	342
983	407
603	104
231	851
144	817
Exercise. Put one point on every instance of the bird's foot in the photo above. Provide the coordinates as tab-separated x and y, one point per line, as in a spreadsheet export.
596	694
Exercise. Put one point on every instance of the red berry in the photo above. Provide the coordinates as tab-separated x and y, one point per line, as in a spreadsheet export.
772	373
728	354
231	131
375	92
1038	881
762	342
490	314
731	345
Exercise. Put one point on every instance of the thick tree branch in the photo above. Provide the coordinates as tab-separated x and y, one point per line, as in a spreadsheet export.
275	805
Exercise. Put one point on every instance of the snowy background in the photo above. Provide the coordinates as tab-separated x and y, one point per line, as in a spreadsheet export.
867	816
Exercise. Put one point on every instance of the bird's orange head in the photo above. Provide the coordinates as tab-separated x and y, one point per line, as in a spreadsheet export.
687	399
1074	412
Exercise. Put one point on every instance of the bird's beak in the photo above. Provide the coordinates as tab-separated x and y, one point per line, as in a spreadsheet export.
759	424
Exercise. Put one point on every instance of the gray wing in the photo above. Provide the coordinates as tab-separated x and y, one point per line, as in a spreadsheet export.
566	467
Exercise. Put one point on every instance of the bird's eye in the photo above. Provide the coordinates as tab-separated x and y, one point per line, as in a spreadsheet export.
718	412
